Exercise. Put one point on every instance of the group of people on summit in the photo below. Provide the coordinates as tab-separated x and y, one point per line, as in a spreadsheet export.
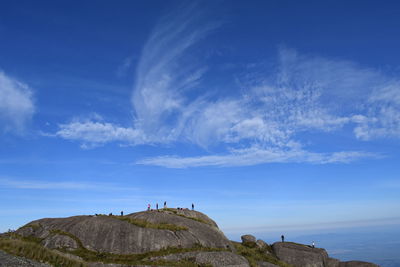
165	206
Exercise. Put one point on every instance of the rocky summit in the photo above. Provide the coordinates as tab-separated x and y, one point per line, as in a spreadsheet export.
165	237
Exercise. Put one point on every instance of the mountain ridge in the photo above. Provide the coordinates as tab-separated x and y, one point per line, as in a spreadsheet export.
164	237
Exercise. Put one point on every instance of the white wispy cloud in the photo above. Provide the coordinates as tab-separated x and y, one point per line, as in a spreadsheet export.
167	72
382	119
262	121
254	156
16	104
62	185
94	133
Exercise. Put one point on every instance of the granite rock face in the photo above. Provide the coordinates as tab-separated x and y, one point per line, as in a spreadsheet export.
8	260
333	262
110	234
300	255
58	241
266	264
216	259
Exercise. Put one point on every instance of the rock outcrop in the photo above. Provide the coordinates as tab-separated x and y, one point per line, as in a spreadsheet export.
217	259
300	255
167	237
124	235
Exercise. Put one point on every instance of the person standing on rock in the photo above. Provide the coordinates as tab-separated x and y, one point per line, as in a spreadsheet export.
283	238
122	213
192	206
148	207
165	204
313	244
157	206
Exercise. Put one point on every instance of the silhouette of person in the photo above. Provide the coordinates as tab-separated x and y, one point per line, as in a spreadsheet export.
283	238
192	206
122	213
165	204
157	206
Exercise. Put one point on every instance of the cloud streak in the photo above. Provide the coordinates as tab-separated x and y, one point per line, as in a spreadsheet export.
95	133
45	185
16	104
253	156
268	119
167	72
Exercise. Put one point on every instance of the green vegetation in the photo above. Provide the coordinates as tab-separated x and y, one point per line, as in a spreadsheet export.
14	235
169	209
34	251
195	219
34	226
255	255
146	224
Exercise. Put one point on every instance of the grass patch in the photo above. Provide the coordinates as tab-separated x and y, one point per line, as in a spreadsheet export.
34	226
146	224
195	219
169	209
34	251
254	255
13	235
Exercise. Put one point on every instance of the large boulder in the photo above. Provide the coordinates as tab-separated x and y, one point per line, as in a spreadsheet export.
300	255
248	239
119	236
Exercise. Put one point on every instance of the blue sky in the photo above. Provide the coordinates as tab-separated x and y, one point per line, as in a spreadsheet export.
270	116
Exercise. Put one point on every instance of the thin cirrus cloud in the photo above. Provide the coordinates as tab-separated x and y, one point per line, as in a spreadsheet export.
262	124
16	104
67	185
254	156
